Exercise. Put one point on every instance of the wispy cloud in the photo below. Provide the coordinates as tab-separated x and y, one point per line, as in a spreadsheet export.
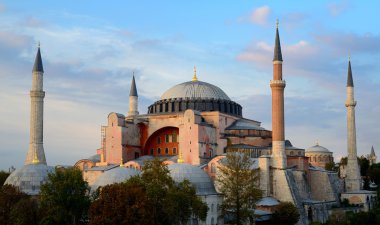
258	16
337	8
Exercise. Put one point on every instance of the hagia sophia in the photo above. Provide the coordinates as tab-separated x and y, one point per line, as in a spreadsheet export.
191	128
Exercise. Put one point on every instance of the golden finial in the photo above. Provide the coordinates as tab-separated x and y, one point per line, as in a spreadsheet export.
195	75
35	159
121	162
277	23
180	159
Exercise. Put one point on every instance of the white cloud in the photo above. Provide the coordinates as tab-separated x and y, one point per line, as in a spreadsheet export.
336	9
260	15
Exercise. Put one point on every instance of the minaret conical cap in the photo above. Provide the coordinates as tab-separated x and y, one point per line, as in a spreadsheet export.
277	46
38	62
372	152
350	82
133	91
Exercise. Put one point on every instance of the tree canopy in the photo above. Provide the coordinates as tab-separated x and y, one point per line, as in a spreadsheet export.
64	198
152	198
239	184
285	214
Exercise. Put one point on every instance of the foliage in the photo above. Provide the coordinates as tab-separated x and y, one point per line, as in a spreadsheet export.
9	197
124	204
64	198
3	176
152	198
25	212
285	214
330	166
364	165
238	182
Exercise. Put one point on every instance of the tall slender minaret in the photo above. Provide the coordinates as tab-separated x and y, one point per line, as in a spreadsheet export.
133	99
278	130
353	179
36	154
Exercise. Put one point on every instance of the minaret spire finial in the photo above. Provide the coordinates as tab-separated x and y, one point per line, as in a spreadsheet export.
195	74
277	22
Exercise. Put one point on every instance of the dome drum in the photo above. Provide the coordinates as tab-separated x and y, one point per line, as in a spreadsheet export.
199	104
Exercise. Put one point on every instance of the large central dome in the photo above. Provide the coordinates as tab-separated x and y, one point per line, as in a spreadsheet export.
195	89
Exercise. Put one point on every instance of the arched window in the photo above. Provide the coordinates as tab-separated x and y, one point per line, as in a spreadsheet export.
212	207
212	221
166	151
210	151
158	140
299	153
315	158
291	153
159	151
319	158
174	151
85	166
152	151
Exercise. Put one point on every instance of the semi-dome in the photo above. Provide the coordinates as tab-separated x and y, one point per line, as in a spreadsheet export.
202	182
317	148
195	89
29	178
116	175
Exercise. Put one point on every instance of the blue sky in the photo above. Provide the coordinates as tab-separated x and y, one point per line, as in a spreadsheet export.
91	48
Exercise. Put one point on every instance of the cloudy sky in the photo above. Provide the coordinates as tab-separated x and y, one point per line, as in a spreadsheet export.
91	48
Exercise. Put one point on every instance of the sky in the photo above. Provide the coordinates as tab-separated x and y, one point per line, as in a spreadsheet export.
90	50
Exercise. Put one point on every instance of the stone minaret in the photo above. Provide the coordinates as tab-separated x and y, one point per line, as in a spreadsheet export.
353	179
372	157
133	99
278	130
36	154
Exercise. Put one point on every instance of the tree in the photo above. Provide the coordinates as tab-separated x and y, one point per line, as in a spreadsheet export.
124	204
152	198
25	212
285	214
64	197
238	182
9	197
330	166
3	177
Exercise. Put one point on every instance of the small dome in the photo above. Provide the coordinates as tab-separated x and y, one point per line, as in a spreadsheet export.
195	89
196	176
116	175
267	201
317	148
29	178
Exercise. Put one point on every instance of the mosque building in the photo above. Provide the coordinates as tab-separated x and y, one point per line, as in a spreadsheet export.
191	128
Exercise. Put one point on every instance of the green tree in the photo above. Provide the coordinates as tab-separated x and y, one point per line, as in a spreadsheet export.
330	166
285	214
152	198
9	197
3	176
65	198
25	212
124	204
238	182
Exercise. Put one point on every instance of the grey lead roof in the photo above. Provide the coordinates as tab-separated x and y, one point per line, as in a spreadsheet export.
243	124
277	48
38	62
350	82
133	91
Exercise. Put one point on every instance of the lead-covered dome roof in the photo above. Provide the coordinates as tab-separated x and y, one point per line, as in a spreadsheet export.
202	182
116	175
195	89
317	148
29	178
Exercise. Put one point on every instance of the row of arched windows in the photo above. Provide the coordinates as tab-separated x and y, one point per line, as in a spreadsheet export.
165	152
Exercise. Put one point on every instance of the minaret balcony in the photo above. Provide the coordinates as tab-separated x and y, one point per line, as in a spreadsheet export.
277	83
350	103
